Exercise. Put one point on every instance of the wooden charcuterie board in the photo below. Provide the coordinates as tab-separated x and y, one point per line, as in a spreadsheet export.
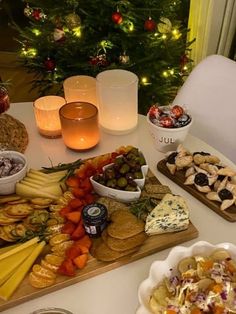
153	244
179	178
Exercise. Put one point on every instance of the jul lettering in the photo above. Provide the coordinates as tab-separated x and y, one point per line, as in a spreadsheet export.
166	140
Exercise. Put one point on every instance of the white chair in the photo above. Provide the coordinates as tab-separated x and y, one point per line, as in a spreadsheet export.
210	95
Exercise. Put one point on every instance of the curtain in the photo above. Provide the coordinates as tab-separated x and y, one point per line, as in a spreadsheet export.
212	23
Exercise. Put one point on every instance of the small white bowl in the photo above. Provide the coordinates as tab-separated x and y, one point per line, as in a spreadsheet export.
160	269
8	184
121	195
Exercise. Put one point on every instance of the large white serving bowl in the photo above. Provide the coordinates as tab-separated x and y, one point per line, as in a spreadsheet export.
8	184
160	269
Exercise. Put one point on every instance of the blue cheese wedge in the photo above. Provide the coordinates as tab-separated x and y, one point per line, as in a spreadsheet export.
170	215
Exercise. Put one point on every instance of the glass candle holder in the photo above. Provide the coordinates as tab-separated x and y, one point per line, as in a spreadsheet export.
80	88
79	122
46	111
117	94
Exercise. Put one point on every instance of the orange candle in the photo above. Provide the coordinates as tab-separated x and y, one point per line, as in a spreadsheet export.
79	122
46	111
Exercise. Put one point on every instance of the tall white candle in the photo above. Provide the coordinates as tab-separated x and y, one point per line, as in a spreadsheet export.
117	94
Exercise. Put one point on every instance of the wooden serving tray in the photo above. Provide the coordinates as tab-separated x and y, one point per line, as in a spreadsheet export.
153	244
94	267
179	178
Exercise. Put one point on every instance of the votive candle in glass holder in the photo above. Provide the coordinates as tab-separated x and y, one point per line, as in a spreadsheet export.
80	88
79	123
46	111
117	94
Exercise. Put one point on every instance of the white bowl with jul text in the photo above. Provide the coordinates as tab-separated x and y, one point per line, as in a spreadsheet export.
167	139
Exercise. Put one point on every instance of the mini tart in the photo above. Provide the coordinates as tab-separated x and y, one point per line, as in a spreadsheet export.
179	159
202	157
201	179
226	194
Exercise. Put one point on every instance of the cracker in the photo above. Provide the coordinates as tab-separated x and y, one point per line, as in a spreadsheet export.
103	253
41	201
124	225
112	205
153	195
10	198
4	236
126	244
157	189
20	201
19	210
4	220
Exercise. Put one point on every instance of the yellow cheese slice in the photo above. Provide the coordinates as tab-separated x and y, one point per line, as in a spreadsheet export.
10	263
18	248
8	288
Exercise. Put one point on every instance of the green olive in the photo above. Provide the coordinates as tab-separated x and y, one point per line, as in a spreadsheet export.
124	168
138	175
122	182
111	183
130	188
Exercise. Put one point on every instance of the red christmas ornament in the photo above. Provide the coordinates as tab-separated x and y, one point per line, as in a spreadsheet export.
117	17
150	25
166	122
4	100
177	111
37	14
99	60
49	64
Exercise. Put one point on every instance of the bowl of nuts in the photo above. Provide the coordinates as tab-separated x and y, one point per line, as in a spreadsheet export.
13	168
123	179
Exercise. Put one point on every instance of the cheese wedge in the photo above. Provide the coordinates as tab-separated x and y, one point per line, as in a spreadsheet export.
10	263
16	248
9	286
8	248
31	192
170	215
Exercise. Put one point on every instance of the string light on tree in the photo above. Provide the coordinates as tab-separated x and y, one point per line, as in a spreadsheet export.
77	31
176	33
29	52
36	32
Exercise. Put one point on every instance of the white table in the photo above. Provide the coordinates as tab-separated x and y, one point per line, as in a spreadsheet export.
115	292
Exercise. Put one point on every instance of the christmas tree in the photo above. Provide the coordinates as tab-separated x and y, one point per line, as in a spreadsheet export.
72	37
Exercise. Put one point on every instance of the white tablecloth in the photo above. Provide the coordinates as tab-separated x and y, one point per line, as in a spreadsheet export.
115	292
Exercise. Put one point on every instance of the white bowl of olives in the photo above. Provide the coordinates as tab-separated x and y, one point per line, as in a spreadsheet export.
123	179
